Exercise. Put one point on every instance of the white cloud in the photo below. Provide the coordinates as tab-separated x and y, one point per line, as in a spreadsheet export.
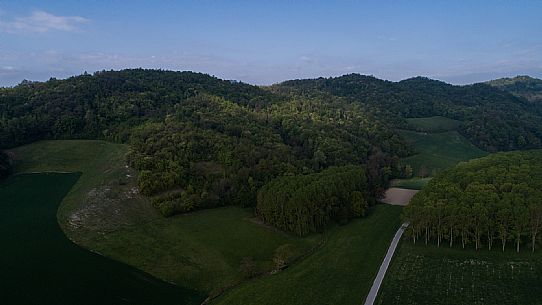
306	58
41	22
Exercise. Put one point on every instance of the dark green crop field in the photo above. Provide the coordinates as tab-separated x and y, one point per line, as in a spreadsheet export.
41	266
421	275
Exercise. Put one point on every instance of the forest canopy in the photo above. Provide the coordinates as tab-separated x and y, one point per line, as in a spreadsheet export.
200	142
493	120
492	200
306	203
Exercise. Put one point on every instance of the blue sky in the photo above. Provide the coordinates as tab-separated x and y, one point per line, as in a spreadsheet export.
264	42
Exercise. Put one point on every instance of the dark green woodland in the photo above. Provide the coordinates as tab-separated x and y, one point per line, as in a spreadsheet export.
201	142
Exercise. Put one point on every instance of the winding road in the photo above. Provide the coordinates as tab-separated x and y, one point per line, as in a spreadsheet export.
371	297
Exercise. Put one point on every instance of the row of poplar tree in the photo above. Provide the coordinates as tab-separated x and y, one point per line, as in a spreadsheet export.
485	202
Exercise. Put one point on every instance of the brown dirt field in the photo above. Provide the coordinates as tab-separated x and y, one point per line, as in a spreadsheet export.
398	196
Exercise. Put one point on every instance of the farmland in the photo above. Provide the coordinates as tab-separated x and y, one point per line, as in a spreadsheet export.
341	272
54	270
431	275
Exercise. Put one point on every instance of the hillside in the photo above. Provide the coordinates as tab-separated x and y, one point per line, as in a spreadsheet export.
201	142
493	120
523	86
198	141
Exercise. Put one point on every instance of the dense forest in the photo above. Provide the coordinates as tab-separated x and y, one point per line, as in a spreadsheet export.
523	86
493	120
5	165
488	201
306	203
200	142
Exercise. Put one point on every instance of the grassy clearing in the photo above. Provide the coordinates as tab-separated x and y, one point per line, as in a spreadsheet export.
433	124
41	266
438	151
341	272
103	199
411	184
430	275
201	250
105	213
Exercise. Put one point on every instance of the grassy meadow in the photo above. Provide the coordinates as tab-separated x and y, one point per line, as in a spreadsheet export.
422	275
438	151
411	184
433	124
341	272
102	200
438	146
201	250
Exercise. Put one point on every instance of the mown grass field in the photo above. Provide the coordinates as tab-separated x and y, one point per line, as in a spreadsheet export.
103	212
94	203
433	124
438	146
438	151
341	272
201	250
430	275
41	266
411	184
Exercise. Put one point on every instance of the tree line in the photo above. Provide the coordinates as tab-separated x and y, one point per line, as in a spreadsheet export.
306	203
487	202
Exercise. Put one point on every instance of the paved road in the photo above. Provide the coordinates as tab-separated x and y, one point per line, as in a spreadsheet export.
384	267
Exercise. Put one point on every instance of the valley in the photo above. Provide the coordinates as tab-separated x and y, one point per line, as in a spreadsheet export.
238	194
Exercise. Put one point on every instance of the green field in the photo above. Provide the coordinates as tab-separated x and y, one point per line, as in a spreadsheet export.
430	275
438	151
341	272
41	266
202	250
103	213
412	184
102	199
433	124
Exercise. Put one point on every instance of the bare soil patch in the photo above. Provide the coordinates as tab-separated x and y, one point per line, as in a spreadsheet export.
398	196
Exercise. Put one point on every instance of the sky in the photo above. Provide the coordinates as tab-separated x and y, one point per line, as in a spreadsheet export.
265	42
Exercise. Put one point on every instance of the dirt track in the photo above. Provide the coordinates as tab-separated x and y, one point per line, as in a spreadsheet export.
398	196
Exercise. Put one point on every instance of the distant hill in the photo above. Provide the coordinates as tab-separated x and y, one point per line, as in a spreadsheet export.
492	119
523	86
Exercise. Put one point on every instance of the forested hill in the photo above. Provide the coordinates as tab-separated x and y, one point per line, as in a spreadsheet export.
523	86
492	119
199	141
107	104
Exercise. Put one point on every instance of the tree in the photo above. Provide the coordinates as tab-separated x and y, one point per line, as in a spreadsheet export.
359	204
520	221
503	221
535	211
283	256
